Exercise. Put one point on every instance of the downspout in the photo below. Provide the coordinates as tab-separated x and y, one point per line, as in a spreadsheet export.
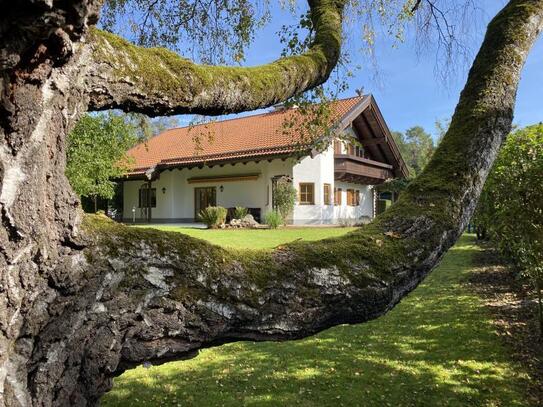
149	185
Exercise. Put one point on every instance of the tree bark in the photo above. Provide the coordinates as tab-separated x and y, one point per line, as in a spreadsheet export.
82	301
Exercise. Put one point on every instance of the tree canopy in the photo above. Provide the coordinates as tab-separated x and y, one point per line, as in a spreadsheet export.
416	147
96	154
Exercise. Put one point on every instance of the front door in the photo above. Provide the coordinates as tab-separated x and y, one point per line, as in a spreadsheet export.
204	197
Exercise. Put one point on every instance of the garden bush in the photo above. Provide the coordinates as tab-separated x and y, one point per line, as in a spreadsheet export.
284	197
510	210
273	219
240	212
213	216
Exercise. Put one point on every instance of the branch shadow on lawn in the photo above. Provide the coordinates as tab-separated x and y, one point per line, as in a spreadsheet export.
437	348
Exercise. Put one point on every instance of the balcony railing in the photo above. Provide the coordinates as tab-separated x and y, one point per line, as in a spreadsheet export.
350	168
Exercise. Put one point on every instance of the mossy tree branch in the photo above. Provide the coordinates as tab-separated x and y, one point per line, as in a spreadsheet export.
168	295
302	288
157	81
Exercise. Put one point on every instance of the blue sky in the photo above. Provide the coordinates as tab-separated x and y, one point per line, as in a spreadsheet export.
409	92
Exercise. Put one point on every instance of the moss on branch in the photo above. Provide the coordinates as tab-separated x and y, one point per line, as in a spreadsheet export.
301	287
158	81
364	257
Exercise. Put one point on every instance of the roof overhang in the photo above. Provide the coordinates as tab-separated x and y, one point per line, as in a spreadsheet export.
239	157
365	118
368	123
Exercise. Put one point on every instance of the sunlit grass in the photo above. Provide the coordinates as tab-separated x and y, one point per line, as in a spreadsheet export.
256	238
436	348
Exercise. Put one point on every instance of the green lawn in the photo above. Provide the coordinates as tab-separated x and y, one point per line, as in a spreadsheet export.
437	348
257	238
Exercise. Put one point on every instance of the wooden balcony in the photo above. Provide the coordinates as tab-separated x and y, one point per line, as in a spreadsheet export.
350	168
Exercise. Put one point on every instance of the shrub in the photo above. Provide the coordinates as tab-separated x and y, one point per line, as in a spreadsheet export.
213	216
273	219
510	208
240	212
284	197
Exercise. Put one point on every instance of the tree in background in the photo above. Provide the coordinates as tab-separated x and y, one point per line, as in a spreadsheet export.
96	154
146	127
416	146
510	210
441	127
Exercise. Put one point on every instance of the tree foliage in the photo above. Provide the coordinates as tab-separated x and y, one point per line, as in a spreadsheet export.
96	154
284	197
511	204
213	31
416	146
146	127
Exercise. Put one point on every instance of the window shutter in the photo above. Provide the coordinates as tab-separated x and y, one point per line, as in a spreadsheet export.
327	197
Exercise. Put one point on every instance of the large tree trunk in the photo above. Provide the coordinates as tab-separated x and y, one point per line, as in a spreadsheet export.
82	301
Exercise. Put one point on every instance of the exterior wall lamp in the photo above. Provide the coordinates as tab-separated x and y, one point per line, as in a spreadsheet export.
163	190
221	188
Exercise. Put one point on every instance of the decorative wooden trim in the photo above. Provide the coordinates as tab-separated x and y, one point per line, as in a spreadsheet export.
224	178
365	161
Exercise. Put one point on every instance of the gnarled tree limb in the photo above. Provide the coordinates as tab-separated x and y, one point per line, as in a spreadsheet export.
162	296
157	81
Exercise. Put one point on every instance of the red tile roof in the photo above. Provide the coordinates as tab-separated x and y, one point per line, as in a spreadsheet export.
244	137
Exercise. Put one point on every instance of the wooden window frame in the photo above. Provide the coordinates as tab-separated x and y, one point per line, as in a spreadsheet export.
300	193
140	196
338	196
327	194
359	151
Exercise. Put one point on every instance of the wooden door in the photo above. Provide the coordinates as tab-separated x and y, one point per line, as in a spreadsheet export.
204	197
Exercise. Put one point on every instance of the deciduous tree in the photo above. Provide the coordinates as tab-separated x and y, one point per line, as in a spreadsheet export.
96	154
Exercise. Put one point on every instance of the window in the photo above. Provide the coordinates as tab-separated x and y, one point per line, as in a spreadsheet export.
356	150
351	197
307	193
357	197
145	198
337	147
337	196
327	197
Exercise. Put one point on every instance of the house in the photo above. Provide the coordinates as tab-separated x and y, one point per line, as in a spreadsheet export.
237	162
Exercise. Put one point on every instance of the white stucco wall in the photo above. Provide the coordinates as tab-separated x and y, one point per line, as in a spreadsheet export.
320	170
177	203
345	212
